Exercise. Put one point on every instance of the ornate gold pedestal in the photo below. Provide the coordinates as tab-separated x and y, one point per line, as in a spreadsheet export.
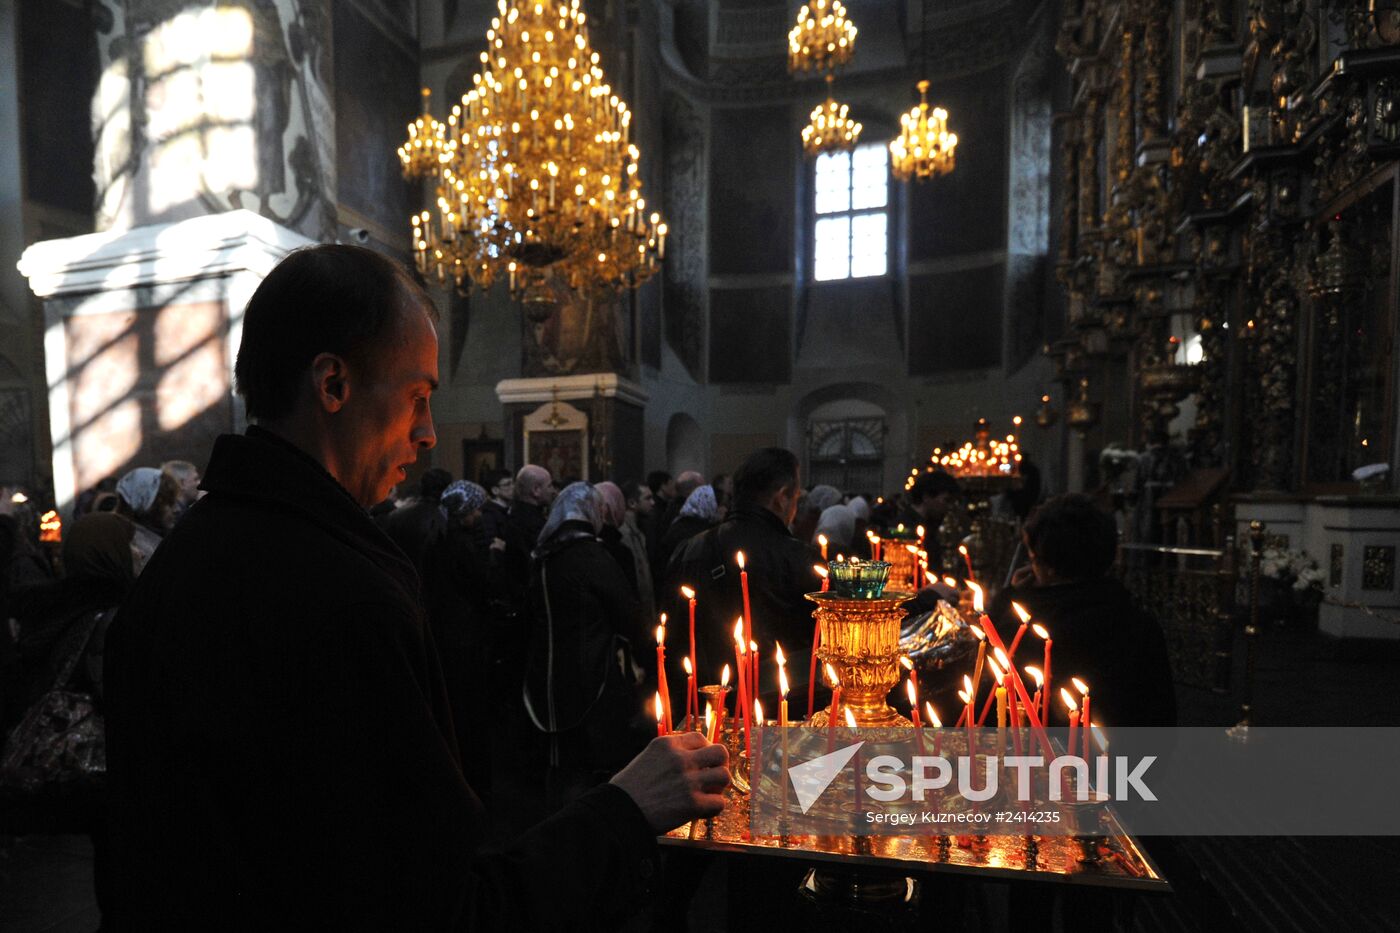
901	561
860	640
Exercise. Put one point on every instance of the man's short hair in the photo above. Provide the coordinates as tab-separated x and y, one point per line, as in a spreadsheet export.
766	471
180	469
632	491
432	483
656	479
330	298
1073	537
932	485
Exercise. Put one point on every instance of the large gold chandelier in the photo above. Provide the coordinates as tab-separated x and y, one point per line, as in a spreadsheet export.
536	174
823	39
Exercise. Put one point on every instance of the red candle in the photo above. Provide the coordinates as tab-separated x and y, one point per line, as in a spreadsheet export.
755	687
1015	720
937	727
1045	700
835	704
689	594
660	726
741	669
822	542
967	558
977	604
812	668
913	690
1083	689
744	585
908	663
1073	708
690	712
824	574
661	687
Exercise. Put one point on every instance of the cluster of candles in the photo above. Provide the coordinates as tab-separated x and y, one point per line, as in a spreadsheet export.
1015	704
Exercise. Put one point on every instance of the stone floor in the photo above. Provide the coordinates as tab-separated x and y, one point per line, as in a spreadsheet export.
1222	884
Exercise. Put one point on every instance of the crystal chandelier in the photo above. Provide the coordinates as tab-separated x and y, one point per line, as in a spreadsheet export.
830	128
427	139
924	147
823	38
536	175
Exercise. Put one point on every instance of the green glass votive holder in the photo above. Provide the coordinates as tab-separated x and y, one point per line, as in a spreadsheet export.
863	580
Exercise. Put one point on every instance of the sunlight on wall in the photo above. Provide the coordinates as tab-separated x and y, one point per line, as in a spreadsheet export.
189	348
104	351
201	101
112	120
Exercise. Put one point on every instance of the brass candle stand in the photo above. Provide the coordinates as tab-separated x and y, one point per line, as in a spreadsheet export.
903	563
860	640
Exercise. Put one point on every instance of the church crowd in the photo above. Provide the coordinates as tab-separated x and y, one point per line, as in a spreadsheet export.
303	687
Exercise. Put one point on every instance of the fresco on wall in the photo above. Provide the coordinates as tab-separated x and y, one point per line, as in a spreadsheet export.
204	109
578	333
683	277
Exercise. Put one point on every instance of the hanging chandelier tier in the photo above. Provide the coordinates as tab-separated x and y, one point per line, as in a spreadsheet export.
830	129
823	39
924	147
537	175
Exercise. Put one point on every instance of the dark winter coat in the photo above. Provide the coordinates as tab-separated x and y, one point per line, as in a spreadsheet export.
279	744
1101	636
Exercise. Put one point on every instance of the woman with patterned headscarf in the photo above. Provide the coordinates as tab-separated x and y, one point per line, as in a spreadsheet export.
701	511
580	677
462	593
147	497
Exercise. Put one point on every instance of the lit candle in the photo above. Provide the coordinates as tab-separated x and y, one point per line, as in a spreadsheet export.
967	559
689	594
967	715
908	663
920	531
977	668
812	667
937	727
1000	694
717	726
660	726
1073	708
821	540
1083	689
851	724
835	703
744	586
754	767
741	664
1015	720
824	574
661	687
1020	688
689	693
914	570
1048	688
1025	618
912	689
782	686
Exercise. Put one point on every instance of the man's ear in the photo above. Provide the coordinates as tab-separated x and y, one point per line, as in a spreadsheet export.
330	381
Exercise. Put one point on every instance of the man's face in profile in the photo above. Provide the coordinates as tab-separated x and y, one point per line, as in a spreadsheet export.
645	502
386	414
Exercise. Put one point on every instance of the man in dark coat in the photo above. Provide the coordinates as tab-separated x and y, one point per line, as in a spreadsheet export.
766	489
280	747
416	526
1101	636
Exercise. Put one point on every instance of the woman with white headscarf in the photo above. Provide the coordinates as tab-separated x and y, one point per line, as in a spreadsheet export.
700	511
838	523
585	624
147	496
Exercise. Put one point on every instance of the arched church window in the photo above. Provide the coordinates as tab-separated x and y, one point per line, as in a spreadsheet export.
851	232
848	453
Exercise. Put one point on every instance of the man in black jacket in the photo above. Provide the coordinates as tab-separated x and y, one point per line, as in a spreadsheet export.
281	751
766	489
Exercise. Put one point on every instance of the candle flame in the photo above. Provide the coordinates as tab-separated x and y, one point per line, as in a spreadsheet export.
951	581
1040	631
911	549
907	662
967	684
854	559
739	556
778	654
724	677
913	692
831	676
822	540
850	718
656	704
977	595
1021	612
1069	699
929	577
758	711
962	695
783	682
820	571
1001	657
962	549
687	592
932	715
1080	685
977	630
996	670
1036	674
661	635
739	633
709	716
840	558
753	647
685	663
920	531
19	498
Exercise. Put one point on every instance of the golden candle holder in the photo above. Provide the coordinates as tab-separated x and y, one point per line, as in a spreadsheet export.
903	562
860	640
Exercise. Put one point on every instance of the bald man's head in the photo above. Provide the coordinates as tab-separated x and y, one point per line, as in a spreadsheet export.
532	484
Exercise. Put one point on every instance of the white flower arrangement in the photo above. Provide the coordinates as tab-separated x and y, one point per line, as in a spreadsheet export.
1296	568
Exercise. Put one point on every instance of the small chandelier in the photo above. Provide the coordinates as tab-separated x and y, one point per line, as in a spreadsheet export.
924	147
830	128
823	39
427	140
536	177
